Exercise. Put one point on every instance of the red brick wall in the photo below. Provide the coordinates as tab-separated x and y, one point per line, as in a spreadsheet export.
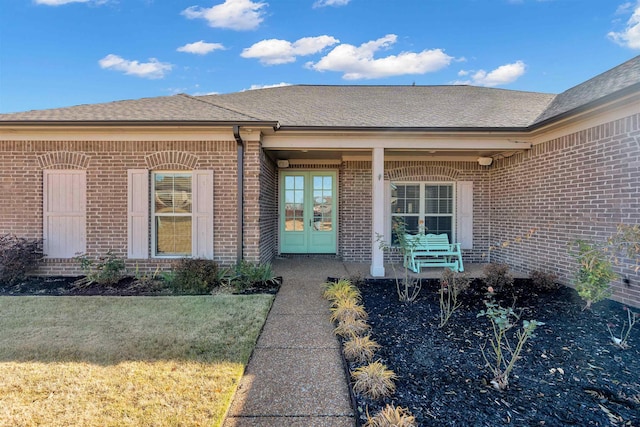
579	186
355	200
268	198
106	163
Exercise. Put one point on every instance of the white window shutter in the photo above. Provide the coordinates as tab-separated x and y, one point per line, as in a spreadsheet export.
64	213
464	214
387	212
202	211
138	213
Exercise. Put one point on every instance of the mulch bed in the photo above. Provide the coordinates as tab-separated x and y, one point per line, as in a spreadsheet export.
570	373
127	286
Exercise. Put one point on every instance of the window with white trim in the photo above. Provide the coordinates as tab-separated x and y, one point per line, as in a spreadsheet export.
423	207
172	213
175	211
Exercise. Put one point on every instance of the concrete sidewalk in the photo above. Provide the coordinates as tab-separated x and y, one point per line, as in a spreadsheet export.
295	376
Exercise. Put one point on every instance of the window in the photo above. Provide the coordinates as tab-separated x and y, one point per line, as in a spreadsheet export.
172	213
176	210
423	208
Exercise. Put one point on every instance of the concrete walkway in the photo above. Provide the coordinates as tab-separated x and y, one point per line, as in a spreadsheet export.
295	376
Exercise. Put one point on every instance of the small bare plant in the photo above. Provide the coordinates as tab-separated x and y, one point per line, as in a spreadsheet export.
408	287
349	328
391	416
544	281
347	309
374	380
360	349
451	285
497	276
622	342
503	355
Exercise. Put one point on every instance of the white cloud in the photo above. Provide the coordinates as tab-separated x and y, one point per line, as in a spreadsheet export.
232	14
359	62
153	69
323	3
502	75
200	48
274	51
630	36
254	87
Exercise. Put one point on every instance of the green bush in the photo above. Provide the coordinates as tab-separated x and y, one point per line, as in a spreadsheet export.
18	256
594	275
106	271
249	274
195	276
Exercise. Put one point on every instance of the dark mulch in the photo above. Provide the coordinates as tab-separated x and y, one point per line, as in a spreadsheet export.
127	286
570	373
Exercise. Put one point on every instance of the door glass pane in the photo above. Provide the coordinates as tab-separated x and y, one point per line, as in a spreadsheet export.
322	203
294	203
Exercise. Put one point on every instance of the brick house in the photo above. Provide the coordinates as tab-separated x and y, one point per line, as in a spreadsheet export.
324	169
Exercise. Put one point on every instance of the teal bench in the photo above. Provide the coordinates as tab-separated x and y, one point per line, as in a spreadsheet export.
432	250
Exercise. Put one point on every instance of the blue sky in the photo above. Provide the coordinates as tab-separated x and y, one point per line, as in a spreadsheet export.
56	53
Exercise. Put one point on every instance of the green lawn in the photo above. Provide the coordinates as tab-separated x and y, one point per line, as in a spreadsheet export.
113	361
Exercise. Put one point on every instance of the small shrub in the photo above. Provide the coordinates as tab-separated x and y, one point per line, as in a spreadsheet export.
451	285
595	273
195	276
347	309
360	349
391	416
374	380
497	276
349	328
503	356
248	274
18	256
107	270
542	281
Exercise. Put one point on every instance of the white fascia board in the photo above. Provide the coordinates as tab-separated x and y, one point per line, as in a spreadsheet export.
395	142
125	133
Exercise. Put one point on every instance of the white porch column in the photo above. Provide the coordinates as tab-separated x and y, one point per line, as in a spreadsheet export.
377	214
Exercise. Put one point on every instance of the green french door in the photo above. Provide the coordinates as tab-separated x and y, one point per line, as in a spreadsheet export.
308	212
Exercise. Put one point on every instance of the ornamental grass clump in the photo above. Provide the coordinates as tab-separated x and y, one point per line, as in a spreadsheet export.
502	356
347	309
391	416
342	289
374	380
349	328
451	285
360	349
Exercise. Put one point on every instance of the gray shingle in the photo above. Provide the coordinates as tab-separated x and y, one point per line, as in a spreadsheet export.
619	78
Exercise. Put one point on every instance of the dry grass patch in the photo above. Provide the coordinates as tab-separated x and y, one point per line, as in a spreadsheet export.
108	361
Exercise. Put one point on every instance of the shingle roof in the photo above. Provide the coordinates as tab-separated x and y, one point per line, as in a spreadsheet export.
423	107
389	106
164	108
626	75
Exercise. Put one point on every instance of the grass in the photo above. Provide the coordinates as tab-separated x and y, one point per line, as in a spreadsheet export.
139	361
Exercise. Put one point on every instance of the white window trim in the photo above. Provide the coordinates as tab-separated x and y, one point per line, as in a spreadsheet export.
421	210
153	214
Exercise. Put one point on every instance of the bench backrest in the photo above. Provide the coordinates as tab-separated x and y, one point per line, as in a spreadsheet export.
435	242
